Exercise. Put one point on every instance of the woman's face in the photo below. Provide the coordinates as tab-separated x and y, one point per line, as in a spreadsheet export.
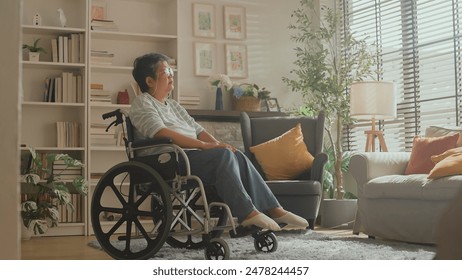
164	82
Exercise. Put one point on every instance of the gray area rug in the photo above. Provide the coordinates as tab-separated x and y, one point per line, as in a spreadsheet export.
308	245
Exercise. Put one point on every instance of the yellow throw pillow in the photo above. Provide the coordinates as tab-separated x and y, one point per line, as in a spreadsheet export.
284	157
440	157
451	165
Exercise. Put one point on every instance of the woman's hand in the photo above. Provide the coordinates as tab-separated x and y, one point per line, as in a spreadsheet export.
215	145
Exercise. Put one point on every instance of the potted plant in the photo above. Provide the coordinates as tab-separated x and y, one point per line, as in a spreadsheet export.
34	50
49	189
326	66
247	97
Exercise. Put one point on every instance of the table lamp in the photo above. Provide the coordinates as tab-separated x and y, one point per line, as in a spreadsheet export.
374	100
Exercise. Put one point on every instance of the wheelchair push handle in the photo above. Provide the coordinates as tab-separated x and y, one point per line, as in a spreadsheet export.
116	113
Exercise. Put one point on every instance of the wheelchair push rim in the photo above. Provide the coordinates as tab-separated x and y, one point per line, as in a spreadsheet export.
138	200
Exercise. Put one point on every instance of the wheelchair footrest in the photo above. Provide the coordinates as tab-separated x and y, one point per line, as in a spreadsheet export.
244	231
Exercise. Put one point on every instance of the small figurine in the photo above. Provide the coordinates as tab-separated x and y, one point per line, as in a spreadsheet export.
37	19
62	17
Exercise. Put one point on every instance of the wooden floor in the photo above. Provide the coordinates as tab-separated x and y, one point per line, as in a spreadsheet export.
76	248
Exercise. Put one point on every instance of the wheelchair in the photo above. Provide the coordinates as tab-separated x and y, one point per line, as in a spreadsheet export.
146	201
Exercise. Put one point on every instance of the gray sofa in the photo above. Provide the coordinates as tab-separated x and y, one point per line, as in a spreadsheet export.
396	206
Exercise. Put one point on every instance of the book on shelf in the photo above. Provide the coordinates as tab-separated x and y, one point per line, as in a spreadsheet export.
190	102
67	88
101	57
96	86
68	214
68	48
100	96
135	87
65	49
103	25
67	134
54	49
100	137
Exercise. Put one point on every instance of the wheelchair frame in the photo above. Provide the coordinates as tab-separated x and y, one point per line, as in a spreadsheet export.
174	203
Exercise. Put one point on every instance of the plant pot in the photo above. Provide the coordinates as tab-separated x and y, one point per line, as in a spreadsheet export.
246	104
338	213
34	56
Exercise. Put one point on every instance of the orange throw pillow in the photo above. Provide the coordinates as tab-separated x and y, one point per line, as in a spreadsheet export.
451	165
440	157
423	148
284	157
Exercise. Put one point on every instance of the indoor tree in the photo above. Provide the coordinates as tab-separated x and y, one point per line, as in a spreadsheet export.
328	60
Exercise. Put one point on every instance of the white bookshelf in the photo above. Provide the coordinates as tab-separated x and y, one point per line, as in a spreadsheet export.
143	26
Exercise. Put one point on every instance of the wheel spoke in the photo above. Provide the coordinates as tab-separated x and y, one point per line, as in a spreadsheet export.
116	226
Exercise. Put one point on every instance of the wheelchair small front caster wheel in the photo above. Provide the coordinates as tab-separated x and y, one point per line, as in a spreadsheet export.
216	249
266	242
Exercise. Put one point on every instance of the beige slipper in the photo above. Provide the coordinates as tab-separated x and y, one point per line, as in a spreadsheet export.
292	221
262	221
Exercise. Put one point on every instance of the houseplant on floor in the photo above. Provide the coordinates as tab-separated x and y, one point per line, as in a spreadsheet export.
34	50
325	68
40	211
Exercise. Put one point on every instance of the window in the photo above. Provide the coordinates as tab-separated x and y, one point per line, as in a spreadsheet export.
418	44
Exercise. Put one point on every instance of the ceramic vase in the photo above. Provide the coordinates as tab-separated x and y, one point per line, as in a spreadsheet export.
219	99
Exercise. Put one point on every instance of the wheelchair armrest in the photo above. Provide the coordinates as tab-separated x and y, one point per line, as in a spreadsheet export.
151	142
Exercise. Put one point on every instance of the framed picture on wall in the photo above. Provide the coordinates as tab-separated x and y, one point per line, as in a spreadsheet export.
204	20
236	60
98	9
272	105
204	58
235	22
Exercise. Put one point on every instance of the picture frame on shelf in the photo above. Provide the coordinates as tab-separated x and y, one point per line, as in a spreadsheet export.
204	58
204	20
272	105
99	9
236	60
235	22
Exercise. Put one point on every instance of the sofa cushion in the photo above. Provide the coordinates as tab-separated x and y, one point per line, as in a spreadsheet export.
440	157
436	131
295	187
451	165
423	148
284	157
415	186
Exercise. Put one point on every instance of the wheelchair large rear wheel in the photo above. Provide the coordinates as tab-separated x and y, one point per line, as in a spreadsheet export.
131	211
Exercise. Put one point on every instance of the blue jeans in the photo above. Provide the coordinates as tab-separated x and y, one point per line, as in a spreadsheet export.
236	180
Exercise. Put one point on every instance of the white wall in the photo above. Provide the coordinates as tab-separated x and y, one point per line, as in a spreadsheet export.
270	50
9	126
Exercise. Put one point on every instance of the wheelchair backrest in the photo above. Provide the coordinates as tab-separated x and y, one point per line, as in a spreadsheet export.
166	164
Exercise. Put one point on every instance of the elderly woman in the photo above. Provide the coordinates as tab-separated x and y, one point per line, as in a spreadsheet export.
236	180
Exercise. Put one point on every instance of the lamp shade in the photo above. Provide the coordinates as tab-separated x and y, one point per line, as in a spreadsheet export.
373	99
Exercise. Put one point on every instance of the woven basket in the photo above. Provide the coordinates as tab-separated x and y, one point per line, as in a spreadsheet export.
246	104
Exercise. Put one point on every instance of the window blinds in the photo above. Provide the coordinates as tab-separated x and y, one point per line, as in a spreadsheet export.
418	43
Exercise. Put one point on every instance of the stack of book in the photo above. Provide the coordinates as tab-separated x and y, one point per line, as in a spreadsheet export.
101	57
99	96
69	215
103	25
100	137
63	172
67	88
190	102
68	134
68	48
